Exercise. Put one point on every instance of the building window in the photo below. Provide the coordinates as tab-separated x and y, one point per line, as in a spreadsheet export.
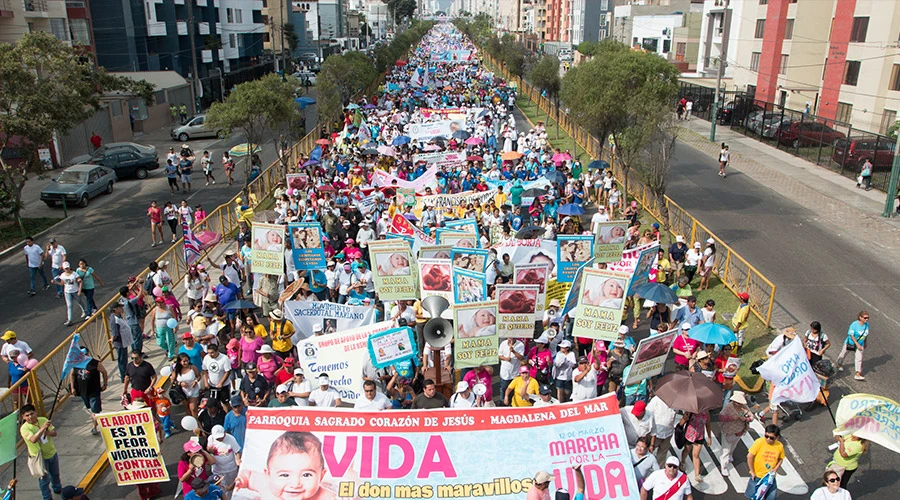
860	27
792	1
59	29
895	78
844	110
81	33
232	41
229	15
763	2
604	4
159	96
760	28
754	61
851	72
789	29
782	68
237	16
887	119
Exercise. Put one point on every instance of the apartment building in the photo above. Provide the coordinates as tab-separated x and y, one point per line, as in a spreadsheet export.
18	17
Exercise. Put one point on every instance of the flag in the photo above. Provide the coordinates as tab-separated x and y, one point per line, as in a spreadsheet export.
871	417
191	243
364	135
75	358
425	80
791	375
358	117
8	436
416	80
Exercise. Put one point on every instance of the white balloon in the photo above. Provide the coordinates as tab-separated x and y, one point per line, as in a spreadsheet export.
189	423
165	371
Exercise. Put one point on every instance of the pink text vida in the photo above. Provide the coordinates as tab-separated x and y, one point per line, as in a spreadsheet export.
599	456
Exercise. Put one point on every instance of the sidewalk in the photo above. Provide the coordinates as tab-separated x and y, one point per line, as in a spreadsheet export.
852	212
82	457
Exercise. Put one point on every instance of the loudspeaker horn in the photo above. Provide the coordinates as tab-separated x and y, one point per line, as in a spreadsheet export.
435	305
438	332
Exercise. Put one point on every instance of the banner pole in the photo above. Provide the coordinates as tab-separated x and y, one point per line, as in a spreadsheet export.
825	398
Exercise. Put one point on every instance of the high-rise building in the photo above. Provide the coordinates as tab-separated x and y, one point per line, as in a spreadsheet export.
18	17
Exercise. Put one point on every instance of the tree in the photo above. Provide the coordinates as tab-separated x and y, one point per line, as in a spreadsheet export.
512	53
47	87
545	76
341	77
401	9
588	48
290	35
892	130
256	108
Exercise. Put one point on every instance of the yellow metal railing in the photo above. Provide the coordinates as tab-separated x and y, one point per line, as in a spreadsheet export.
735	272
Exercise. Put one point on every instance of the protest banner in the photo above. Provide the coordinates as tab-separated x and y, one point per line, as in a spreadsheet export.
791	375
600	303
537	273
515	309
331	316
443	453
609	240
445	201
731	367
297	181
557	291
496	234
406	197
643	267
571	301
306	241
475	330
391	270
427	179
440	158
473	259
468	286
871	417
436	278
572	250
435	251
629	259
399	237
650	356
367	204
267	248
132	447
400	225
465	225
391	346
342	356
430	130
529	252
453	238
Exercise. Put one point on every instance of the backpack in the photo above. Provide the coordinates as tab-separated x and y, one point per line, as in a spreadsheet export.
149	284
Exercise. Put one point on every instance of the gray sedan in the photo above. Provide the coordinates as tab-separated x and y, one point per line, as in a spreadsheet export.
78	184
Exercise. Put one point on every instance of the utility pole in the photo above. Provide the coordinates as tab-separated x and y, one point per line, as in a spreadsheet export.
284	67
892	183
720	70
195	77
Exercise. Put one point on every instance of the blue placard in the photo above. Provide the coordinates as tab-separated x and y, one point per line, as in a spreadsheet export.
392	346
308	248
572	251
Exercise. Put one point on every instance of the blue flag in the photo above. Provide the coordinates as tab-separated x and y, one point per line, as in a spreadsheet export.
75	358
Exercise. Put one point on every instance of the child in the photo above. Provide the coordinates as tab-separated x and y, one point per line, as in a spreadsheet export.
16	372
163	410
233	351
199	213
295	468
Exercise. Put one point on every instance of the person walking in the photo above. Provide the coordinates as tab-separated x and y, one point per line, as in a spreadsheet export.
765	456
668	483
165	334
735	418
120	337
34	260
155	214
186	167
865	174
172	173
96	141
846	458
57	254
206	163
183	111
831	488
88	276
172	219
856	343
89	382
228	166
71	284
724	156
141	376
132	302
38	434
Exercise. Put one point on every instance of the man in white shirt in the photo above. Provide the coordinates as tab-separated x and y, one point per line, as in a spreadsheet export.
463	397
299	388
638	422
365	234
660	483
345	279
511	353
325	396
34	259
227	453
383	224
57	254
563	364
552	314
544	396
599	217
663	426
216	372
584	380
372	400
13	344
364	275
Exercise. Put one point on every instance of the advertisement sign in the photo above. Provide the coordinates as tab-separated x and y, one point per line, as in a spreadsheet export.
600	303
444	453
537	273
650	356
791	375
391	346
469	286
267	248
331	316
475	330
132	447
609	240
473	259
572	251
306	240
515	307
391	271
436	278
342	356
871	417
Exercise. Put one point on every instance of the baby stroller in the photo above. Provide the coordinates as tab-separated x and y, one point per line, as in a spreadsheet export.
824	369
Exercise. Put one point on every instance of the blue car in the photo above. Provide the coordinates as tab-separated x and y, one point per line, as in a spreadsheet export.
78	184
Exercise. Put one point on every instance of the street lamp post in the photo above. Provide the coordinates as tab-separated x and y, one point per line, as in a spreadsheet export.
892	183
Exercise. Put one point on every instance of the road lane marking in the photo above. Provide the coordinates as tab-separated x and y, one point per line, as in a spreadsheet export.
117	249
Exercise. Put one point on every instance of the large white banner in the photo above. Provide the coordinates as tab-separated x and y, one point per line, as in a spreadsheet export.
428	131
791	375
427	179
332	317
341	356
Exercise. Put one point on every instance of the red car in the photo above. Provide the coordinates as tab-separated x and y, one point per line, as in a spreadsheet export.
799	134
852	152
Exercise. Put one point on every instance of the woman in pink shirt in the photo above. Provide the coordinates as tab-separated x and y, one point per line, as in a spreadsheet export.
684	348
268	363
249	344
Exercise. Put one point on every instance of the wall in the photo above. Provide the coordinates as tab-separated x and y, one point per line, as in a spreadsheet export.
649	29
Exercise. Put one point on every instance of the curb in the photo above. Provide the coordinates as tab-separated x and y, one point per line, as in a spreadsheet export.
18	246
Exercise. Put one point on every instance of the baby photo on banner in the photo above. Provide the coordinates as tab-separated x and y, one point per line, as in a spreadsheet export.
306	240
515	306
457	238
572	251
645	263
602	297
435	251
464	225
436	278
267	248
469	286
610	240
391	270
473	259
650	356
534	274
476	334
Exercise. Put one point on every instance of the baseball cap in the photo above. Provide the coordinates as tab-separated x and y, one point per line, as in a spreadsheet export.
710	241
237	401
523	369
554	303
192	446
280	389
542	477
623	330
679	239
672	460
462	386
545	390
298	371
250	366
8	334
744	296
186	335
66	265
582	359
217	432
323	379
199	483
638	408
565	343
685	326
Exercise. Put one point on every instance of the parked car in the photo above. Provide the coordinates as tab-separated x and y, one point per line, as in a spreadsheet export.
128	159
766	123
852	152
194	128
734	112
78	184
798	134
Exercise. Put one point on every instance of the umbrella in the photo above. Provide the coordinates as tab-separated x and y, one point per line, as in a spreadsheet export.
411	217
599	164
369	106
530	232
474	141
418	94
236	305
511	155
305	100
431	147
323	142
370	151
712	333
657	292
571	209
310	163
474	158
325	187
555	176
400	140
561	157
243	150
533	192
688	391
483	113
461	135
400	62
386	150
353	106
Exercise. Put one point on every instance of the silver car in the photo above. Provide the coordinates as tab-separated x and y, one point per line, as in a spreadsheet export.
766	124
194	128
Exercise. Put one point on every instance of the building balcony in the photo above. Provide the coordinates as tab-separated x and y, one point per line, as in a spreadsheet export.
6	8
203	28
182	27
718	31
206	56
156	29
36	8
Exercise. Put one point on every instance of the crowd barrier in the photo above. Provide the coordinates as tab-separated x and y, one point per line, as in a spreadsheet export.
735	272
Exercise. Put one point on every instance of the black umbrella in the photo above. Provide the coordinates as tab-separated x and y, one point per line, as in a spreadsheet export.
598	164
534	192
555	176
237	305
461	135
370	151
530	232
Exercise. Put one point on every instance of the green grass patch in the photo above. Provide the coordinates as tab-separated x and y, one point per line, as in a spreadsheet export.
564	141
10	234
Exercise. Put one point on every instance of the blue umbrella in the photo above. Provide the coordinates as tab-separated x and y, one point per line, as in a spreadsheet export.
571	209
236	305
418	94
353	106
310	163
713	333
400	140
657	292
555	176
598	164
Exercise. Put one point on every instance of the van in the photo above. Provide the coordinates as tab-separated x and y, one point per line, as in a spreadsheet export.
853	151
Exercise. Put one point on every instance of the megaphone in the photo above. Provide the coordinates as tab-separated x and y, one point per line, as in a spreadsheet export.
438	331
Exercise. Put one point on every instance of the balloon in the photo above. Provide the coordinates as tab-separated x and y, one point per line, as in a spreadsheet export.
189	423
172	323
31	364
22	359
165	371
157	291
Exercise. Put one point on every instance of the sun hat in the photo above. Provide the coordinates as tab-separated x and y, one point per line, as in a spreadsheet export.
265	349
542	477
192	446
623	330
685	326
738	397
276	314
